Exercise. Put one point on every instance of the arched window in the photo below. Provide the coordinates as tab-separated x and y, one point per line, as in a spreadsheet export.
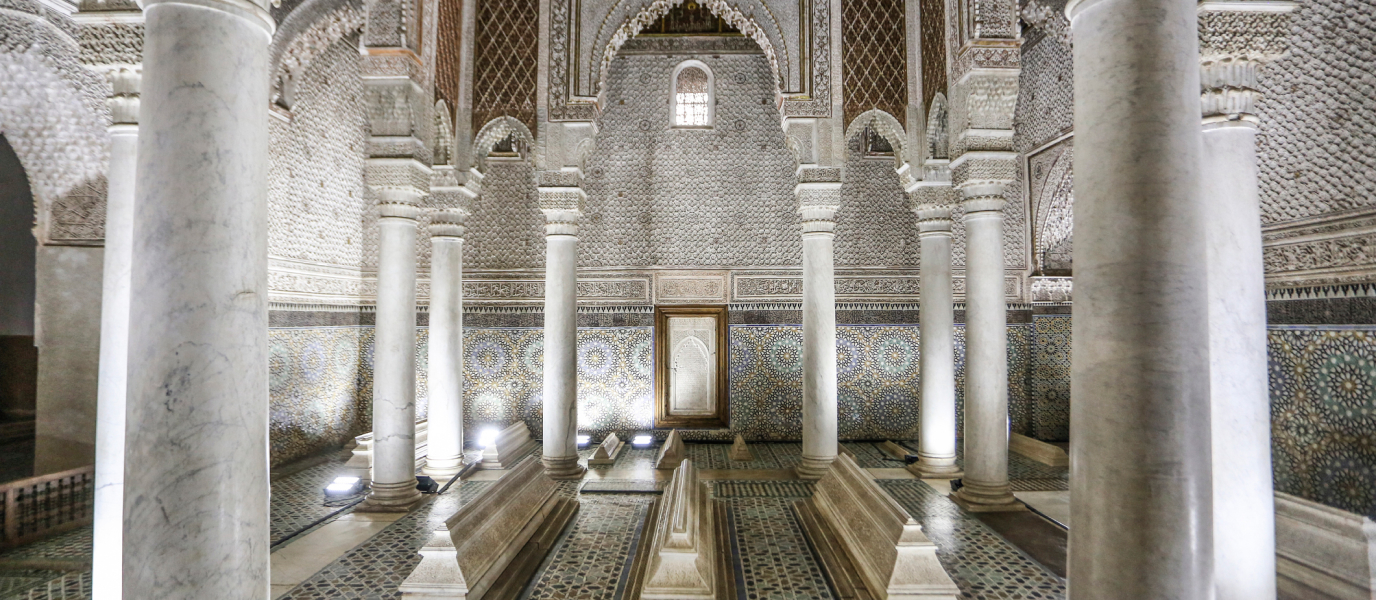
693	101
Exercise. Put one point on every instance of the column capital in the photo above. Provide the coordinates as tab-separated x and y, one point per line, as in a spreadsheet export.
818	202
933	219
397	210
561	221
1235	40
404	180
448	222
245	9
561	191
449	190
983	169
124	94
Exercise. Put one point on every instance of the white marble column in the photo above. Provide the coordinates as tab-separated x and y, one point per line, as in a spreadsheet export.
108	512
394	355
1244	532
818	203
936	322
561	206
445	379
1140	456
196	448
986	355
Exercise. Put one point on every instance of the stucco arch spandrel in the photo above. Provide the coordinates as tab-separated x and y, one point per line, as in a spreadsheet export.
886	125
1053	209
306	33
759	26
53	113
938	128
495	131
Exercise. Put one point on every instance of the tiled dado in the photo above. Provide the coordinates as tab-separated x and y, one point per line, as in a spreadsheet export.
321	380
1323	413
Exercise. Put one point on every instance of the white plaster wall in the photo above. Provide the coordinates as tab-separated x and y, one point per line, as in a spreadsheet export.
68	339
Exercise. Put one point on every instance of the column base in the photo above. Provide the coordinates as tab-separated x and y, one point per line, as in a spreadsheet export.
391	497
987	498
564	467
813	467
936	468
445	468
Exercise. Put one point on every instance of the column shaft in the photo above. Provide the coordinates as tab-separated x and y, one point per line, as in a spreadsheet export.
1244	532
561	345
1141	496
394	358
445	382
819	342
196	451
108	513
936	322
986	356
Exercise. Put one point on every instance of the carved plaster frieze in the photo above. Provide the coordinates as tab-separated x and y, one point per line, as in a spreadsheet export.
1330	249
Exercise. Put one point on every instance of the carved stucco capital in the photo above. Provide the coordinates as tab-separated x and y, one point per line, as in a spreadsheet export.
1235	40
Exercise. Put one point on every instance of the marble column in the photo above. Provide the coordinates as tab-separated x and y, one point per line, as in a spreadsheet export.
1140	481
561	206
1244	532
394	355
445	377
108	512
196	446
936	322
818	203
985	482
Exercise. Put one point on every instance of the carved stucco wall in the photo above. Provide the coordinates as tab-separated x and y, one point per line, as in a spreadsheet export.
1316	152
1319	115
874	227
315	181
659	196
506	229
52	111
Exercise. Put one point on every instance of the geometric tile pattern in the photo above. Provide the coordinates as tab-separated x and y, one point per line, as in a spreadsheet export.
1049	378
319	388
592	559
377	567
298	500
74	545
982	563
1323	414
877	381
320	382
503	379
774	556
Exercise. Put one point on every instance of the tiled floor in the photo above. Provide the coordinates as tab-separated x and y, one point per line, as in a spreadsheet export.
298	500
69	547
983	565
593	559
374	569
772	559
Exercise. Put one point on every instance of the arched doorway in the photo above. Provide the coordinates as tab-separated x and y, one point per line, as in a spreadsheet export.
18	356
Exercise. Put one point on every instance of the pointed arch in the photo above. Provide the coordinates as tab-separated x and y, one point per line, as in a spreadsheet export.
938	136
888	127
444	134
494	132
651	13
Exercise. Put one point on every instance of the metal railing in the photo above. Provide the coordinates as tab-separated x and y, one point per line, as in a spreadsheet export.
33	508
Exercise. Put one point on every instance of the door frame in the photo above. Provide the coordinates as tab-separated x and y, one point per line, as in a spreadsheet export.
663	420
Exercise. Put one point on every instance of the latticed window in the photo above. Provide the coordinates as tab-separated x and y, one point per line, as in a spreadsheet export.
692	96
